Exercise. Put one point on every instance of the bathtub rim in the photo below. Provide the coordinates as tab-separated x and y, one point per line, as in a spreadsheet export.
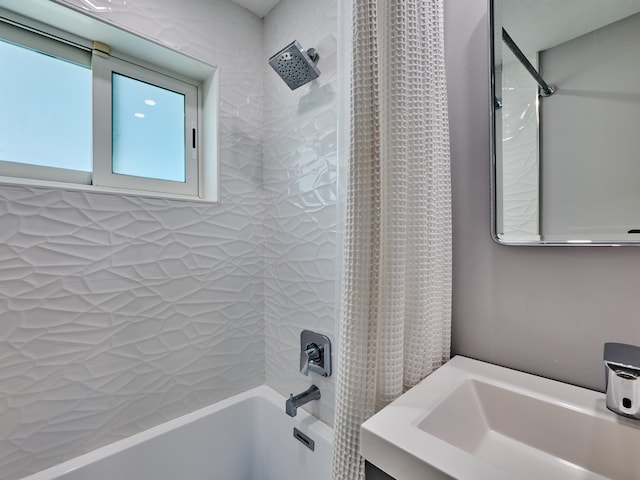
312	424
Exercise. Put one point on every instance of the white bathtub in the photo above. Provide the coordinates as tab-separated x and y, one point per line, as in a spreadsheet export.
245	437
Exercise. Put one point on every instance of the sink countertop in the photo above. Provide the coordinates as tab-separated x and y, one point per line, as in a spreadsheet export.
472	420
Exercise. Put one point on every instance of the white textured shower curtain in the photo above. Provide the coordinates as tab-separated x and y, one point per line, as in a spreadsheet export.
396	302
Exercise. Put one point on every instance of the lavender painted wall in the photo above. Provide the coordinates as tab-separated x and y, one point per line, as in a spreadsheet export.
545	310
591	174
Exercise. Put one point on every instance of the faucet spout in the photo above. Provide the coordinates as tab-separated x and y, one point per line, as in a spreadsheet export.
622	367
295	401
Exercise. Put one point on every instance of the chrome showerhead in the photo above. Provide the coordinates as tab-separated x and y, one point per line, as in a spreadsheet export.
295	66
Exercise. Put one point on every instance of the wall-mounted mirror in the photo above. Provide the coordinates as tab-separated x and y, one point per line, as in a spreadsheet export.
566	121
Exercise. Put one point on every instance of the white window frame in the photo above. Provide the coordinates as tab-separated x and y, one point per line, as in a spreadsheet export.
71	30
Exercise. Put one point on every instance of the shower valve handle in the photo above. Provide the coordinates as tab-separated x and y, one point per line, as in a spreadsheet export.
312	353
315	353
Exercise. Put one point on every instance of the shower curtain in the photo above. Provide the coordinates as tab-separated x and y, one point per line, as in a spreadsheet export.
396	303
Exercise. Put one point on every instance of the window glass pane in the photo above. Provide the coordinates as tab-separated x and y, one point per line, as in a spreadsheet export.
148	130
45	110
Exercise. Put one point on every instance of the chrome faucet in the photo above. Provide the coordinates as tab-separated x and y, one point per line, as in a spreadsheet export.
291	407
622	366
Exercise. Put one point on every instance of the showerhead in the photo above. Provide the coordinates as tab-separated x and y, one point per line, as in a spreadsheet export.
295	66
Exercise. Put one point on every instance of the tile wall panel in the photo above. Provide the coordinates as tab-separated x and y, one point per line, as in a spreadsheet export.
520	168
300	181
118	313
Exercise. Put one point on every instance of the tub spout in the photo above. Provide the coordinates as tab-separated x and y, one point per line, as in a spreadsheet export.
291	407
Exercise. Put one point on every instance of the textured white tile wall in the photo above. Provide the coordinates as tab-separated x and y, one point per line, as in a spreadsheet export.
520	165
118	313
300	181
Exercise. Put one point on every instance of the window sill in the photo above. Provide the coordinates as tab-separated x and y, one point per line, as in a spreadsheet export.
75	187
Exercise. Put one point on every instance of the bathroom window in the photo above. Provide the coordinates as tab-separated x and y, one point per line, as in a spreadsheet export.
73	114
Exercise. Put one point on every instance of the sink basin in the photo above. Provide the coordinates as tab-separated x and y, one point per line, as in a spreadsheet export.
477	421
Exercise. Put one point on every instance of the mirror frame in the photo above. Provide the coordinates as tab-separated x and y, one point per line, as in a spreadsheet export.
494	165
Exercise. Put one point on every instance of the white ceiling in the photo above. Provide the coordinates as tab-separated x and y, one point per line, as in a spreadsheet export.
259	7
536	25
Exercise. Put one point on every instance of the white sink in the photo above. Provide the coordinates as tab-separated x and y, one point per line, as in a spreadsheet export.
477	421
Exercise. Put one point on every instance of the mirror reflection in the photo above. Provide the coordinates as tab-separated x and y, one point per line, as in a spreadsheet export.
567	121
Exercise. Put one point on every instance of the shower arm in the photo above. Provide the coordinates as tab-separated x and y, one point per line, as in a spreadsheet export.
546	90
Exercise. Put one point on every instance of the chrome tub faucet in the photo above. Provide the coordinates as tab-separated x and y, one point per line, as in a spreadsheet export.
295	401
